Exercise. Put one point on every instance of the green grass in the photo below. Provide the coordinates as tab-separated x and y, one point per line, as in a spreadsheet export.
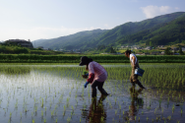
27	58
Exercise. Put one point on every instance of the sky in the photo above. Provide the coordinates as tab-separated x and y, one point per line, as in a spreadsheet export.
46	19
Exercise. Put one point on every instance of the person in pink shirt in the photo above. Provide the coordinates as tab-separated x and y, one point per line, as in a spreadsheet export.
97	75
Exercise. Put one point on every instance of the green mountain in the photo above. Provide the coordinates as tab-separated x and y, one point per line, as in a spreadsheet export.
161	30
132	33
81	40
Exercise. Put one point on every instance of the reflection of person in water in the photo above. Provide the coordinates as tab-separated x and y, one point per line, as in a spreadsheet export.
134	102
97	113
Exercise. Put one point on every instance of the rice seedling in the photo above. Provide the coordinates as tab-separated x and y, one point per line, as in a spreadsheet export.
169	118
59	89
42	104
25	110
42	113
10	115
44	120
52	113
147	118
173	108
116	111
138	119
68	119
33	121
181	112
80	120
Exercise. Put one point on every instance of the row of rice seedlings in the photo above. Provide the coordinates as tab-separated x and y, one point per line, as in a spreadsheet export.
161	95
42	103
172	77
52	89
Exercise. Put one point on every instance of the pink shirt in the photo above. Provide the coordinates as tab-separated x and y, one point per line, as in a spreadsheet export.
98	70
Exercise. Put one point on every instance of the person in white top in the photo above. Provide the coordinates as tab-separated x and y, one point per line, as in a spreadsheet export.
135	64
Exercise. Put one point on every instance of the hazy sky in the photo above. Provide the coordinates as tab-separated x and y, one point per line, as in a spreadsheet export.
43	19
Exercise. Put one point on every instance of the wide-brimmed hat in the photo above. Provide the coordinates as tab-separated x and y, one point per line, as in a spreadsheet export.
83	60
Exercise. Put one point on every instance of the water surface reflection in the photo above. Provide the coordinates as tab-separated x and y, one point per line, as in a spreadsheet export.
136	103
96	112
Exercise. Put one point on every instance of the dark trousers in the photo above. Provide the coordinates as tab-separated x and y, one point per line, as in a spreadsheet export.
100	88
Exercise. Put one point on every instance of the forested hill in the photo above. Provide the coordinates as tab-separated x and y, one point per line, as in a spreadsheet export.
165	29
81	40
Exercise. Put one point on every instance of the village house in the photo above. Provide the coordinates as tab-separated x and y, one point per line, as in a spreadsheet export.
160	46
145	54
148	48
122	47
175	49
162	53
137	48
183	49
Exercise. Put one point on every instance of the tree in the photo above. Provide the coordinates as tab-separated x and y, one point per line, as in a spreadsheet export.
180	51
112	50
101	47
167	51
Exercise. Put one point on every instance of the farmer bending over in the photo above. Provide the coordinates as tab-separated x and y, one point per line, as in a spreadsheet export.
97	75
135	64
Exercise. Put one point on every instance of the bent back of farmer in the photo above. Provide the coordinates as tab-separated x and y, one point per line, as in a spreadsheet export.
100	74
97	75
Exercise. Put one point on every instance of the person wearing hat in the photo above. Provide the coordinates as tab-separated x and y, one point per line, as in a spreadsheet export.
135	64
97	75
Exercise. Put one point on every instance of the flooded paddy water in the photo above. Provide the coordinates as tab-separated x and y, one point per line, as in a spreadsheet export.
54	93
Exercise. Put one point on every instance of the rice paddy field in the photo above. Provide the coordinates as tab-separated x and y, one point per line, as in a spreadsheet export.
54	93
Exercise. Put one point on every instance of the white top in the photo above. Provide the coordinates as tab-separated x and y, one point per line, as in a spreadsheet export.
131	55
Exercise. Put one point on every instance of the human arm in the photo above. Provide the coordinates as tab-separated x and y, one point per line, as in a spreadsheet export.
90	75
91	72
89	80
85	85
134	61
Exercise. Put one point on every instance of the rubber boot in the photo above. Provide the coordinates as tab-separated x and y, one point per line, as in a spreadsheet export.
140	85
103	92
102	98
133	84
94	92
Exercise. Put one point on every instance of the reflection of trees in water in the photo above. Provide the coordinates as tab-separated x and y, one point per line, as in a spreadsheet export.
136	103
96	112
12	70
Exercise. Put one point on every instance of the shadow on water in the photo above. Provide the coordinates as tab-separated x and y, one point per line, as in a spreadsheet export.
136	103
96	112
